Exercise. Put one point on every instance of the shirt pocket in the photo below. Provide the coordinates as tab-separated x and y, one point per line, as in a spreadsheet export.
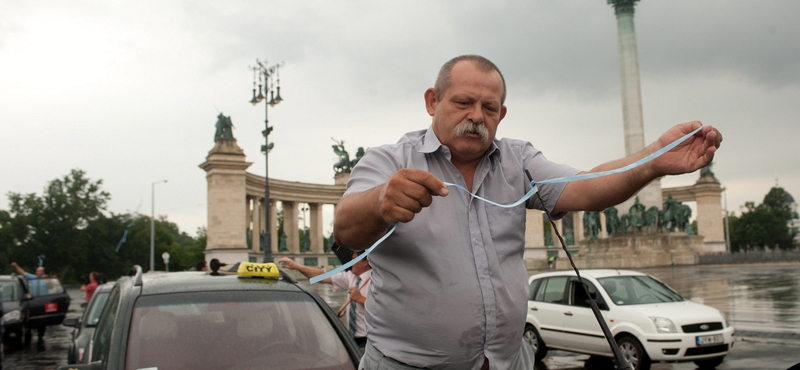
507	227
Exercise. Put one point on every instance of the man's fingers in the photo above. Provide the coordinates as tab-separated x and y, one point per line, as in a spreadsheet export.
426	179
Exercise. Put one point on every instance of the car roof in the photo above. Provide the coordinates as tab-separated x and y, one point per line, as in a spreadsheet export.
198	281
9	277
595	273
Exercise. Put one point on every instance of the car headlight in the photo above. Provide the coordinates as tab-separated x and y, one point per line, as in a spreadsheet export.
12	316
664	325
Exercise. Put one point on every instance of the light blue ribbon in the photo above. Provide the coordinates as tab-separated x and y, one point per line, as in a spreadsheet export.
524	198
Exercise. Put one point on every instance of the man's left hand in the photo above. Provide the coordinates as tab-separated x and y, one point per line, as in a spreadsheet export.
355	295
691	155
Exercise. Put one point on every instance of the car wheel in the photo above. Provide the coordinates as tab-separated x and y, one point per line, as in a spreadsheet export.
709	363
634	353
598	362
531	336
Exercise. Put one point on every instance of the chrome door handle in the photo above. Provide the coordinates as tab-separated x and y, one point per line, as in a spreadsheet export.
568	313
534	309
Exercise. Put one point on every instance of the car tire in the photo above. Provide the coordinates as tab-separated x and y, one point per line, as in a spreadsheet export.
599	362
709	363
634	353
532	337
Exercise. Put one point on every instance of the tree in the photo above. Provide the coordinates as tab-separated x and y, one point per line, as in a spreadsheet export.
765	225
53	225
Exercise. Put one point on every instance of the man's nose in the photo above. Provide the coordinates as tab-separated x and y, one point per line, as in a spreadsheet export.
476	114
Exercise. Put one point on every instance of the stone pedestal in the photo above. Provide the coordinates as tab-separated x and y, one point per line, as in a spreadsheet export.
225	172
637	251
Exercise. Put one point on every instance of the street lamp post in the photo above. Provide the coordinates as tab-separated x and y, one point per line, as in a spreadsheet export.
152	223
265	74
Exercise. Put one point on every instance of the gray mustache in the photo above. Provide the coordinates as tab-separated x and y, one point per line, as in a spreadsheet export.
470	127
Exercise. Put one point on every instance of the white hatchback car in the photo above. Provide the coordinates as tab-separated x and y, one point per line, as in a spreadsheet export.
648	319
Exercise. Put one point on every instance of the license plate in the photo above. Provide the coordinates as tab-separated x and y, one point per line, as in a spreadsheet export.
51	307
709	339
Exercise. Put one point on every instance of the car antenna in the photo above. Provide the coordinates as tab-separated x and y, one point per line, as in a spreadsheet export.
622	364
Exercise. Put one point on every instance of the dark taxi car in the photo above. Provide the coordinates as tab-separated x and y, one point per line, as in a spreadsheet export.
196	320
84	325
30	304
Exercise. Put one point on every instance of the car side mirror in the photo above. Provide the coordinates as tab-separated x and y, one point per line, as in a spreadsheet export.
27	297
72	322
84	304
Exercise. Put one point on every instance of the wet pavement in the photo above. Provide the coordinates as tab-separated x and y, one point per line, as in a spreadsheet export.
762	302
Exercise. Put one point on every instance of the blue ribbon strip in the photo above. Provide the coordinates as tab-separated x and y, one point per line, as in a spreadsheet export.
524	198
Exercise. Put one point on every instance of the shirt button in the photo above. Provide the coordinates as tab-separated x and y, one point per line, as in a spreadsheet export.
458	176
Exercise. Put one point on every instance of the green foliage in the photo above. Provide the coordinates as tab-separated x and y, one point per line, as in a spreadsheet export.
765	225
67	225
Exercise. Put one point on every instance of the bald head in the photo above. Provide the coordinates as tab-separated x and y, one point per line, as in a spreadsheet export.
40	272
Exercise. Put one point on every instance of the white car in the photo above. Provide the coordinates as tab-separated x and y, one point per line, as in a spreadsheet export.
648	319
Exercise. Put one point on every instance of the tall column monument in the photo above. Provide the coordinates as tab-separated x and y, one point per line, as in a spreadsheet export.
632	98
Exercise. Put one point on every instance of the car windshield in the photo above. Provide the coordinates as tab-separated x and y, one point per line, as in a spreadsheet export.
45	286
638	289
233	330
9	291
98	301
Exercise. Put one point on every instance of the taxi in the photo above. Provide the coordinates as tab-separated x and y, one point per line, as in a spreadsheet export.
251	316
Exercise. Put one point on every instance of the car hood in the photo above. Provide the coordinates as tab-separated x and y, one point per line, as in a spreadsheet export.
681	313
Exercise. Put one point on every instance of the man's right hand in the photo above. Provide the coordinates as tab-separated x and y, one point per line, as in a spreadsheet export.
406	193
288	263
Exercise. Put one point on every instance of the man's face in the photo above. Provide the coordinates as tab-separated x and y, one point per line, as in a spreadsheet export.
466	118
360	267
40	272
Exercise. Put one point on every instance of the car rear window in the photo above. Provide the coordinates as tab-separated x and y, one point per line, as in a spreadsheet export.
45	286
241	330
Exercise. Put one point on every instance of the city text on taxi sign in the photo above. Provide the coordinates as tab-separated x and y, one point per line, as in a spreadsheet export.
266	270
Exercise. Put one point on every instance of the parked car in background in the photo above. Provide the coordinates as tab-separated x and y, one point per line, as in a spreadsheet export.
648	319
84	325
30	304
12	294
252	317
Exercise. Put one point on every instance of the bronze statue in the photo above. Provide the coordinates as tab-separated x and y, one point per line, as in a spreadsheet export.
707	170
612	220
591	224
343	165
359	155
636	215
224	128
651	220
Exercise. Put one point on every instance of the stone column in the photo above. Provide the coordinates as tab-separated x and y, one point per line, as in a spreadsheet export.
534	235
577	225
225	168
632	98
603	232
290	214
315	229
708	194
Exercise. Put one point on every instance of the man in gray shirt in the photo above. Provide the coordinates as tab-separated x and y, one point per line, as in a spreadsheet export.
449	286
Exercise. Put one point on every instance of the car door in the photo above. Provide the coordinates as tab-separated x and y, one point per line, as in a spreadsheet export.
548	307
582	332
49	303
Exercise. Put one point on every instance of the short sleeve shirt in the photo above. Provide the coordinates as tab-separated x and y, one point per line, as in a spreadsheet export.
450	287
342	282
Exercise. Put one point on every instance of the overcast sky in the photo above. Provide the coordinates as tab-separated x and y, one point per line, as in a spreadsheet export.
130	91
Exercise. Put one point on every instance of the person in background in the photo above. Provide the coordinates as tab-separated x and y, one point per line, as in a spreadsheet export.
37	287
91	287
201	266
356	282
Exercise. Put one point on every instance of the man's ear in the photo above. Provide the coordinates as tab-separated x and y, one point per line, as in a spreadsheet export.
431	100
503	112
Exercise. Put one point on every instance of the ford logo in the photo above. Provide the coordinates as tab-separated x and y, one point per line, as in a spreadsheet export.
704	327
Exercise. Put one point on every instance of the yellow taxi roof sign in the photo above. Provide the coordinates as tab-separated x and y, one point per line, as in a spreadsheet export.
265	270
